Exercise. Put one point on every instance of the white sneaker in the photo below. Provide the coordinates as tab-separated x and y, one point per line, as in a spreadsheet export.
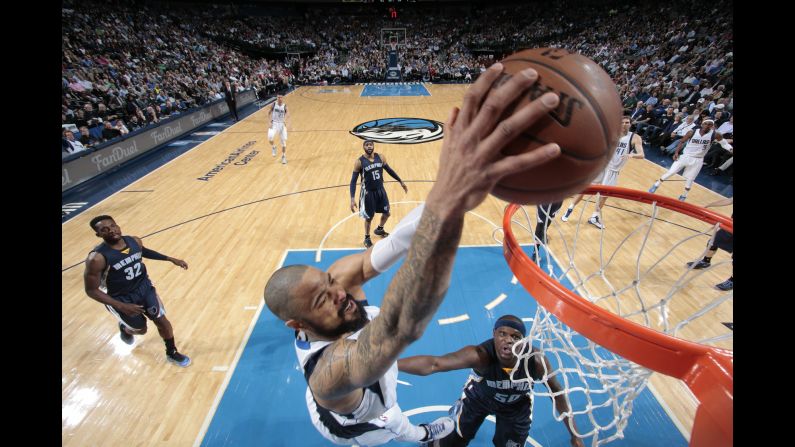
565	216
273	151
437	430
595	222
284	160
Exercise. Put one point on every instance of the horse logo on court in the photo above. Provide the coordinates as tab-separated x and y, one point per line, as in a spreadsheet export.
400	130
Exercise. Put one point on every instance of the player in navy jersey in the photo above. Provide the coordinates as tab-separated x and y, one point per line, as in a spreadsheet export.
545	213
347	351
490	390
723	240
128	293
372	197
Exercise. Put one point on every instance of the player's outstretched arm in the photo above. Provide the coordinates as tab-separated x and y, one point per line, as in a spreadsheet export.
354	270
471	163
151	254
467	357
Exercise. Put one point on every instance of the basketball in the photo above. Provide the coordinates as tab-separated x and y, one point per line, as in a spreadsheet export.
586	125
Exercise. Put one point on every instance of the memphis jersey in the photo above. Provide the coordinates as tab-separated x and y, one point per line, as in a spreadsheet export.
278	112
379	398
699	144
493	385
372	172
124	270
621	154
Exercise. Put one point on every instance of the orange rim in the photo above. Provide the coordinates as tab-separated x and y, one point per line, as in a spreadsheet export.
708	371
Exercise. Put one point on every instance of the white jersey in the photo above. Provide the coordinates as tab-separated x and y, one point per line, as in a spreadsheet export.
376	420
278	112
621	154
699	144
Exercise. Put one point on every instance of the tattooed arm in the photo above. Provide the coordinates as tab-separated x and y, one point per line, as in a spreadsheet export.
471	163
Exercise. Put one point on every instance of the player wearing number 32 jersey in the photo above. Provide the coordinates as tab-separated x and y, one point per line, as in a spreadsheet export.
116	276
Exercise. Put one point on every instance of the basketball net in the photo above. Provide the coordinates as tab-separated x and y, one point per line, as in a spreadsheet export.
626	282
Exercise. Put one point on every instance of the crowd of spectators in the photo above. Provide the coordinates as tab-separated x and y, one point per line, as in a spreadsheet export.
131	65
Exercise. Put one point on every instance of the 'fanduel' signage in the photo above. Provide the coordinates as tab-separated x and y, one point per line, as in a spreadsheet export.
91	164
124	151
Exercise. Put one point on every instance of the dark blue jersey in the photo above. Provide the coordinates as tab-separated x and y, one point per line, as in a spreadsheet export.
124	269
493	384
372	173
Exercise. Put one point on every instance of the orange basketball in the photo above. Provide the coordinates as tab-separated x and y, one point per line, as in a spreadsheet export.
586	125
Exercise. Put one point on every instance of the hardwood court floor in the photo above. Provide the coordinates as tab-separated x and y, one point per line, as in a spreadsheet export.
233	228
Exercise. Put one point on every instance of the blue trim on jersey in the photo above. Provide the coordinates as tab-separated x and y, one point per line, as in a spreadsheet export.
303	344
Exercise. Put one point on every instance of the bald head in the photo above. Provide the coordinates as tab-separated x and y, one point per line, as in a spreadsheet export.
279	288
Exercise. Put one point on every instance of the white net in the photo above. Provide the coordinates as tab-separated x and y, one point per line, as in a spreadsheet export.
599	386
636	267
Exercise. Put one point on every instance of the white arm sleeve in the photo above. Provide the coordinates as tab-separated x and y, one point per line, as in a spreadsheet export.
389	250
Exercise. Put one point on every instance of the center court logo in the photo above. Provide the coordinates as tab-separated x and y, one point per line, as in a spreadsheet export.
400	130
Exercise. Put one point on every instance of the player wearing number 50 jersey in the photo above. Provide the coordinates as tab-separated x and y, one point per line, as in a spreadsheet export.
128	293
490	390
372	197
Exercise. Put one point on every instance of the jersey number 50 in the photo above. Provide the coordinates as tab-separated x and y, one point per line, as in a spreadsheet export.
506	398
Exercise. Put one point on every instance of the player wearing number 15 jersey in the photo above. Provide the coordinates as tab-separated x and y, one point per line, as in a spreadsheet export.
372	197
116	277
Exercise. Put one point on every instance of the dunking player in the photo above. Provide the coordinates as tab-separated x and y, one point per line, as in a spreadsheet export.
130	294
489	389
279	126
372	197
630	145
349	352
698	143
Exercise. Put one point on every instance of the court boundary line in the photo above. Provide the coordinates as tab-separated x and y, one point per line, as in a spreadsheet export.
232	367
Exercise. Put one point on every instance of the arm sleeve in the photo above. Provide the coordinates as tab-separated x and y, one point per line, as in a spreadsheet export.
354	177
151	254
392	172
391	249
